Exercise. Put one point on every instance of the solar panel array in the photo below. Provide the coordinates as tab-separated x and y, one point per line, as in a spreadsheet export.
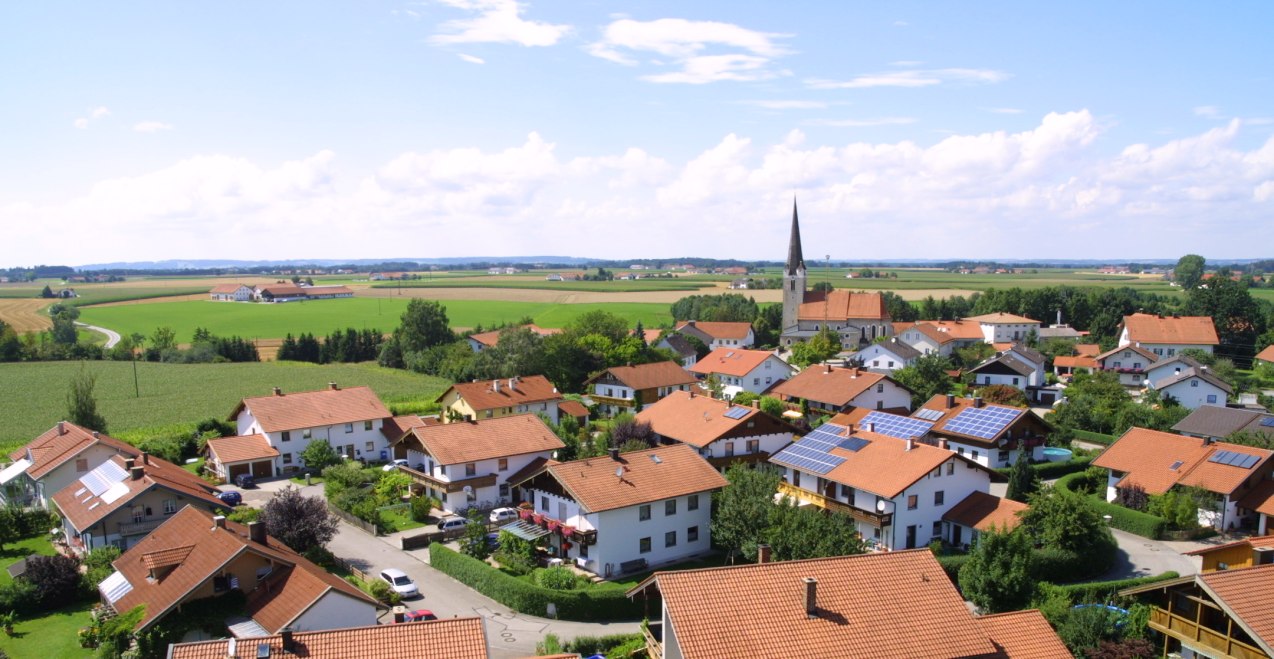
853	444
983	422
1268	422
1234	459
813	453
737	412
928	414
100	479
902	427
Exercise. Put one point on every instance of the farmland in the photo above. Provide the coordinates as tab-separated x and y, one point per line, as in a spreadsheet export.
35	392
538	282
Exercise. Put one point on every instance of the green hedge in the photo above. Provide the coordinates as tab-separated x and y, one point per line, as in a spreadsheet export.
952	564
524	597
1100	591
1124	519
1051	470
1059	566
1094	437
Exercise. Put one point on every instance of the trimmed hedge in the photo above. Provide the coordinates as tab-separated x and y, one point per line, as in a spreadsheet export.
1124	519
584	605
952	564
1094	437
1051	470
1059	566
1099	591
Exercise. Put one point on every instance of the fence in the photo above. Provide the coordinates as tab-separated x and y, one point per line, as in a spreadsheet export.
364	525
349	567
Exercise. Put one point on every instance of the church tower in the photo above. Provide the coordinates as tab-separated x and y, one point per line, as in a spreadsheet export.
793	276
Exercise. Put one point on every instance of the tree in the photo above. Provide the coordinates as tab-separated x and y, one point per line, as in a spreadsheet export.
625	430
319	454
742	509
1065	520
81	405
64	317
56	580
795	533
1189	271
997	576
773	406
10	528
163	339
1022	480
475	536
47	293
300	522
926	377
424	325
819	348
1003	394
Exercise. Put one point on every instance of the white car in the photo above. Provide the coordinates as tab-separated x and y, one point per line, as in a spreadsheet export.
394	465
450	523
400	582
503	515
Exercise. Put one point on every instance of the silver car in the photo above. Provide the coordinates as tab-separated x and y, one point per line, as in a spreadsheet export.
400	582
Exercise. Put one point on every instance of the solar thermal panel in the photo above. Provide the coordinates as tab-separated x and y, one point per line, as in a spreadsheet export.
736	412
1268	422
929	415
853	444
1249	461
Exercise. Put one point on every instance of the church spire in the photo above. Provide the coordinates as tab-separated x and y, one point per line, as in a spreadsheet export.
795	261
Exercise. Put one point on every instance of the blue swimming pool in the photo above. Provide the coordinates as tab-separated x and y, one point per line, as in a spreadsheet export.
1057	454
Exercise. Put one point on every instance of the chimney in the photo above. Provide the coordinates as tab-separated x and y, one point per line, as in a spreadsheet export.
128	464
849	430
614	454
278	391
219	522
911	443
61	427
256	532
942	443
690	323
145	458
811	596
950	401
756	403
762	553
1207	441
977	401
285	635
97	435
871	426
333	386
692	393
400	614
137	472
827	368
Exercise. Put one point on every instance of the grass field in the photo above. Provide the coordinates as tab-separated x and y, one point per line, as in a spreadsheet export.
538	282
936	279
321	317
178	394
39	633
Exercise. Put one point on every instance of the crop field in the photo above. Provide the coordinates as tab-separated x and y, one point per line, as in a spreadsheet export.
910	279
538	282
173	394
23	314
321	317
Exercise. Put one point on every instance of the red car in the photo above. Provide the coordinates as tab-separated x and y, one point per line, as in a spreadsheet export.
419	615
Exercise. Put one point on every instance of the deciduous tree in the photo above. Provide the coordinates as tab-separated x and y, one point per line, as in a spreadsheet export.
81	404
298	521
926	377
319	455
742	509
997	577
1189	271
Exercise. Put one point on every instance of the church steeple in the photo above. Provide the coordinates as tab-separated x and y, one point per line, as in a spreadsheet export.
793	280
795	261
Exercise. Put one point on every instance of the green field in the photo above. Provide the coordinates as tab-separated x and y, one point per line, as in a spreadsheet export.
172	394
321	317
538	282
915	279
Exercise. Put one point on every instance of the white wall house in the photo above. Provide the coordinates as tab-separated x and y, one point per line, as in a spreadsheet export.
54	460
350	420
739	370
1168	336
1005	327
720	335
1192	389
1129	362
888	356
722	433
927	341
832	389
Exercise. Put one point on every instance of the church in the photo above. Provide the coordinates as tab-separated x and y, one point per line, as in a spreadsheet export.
859	318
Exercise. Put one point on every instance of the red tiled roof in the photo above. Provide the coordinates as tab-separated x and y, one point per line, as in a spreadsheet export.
283	290
486	439
452	638
1023	635
572	408
226	288
829	384
1087	349
490	339
1266	355
884	466
63	442
1246	594
700	420
486	395
1191	330
649	376
313	409
981	511
593	484
84	509
840	304
736	362
1224	479
1147	458
227	450
1001	318
723	330
1261	498
1067	361
399	425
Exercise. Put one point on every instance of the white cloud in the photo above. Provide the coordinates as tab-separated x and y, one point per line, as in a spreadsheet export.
705	51
788	104
1209	111
471	58
80	123
1004	110
151	126
497	21
94	114
99	112
862	123
912	78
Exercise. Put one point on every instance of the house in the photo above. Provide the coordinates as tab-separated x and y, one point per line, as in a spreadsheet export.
553	277
1019	367
492	399
1264	357
123	499
1246	552
1166	336
678	344
1065	366
1191	386
722	433
279	293
468	463
738	370
621	389
1087	349
1060	332
1003	327
1131	363
719	335
831	389
196	555
452	638
895	490
886	356
979	513
884	604
626	512
483	340
1213	614
1219	423
54	460
1155	462
989	434
327	292
939	336
349	419
230	457
231	293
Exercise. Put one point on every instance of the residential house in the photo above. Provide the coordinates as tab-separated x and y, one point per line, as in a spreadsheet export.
483	340
885	604
1264	357
54	460
621	389
989	434
1155	462
626	512
831	389
979	513
1060	332
1166	336
722	433
1087	349
886	356
450	638
231	293
678	344
1260	500
230	457
1219	423
1192	387
939	336
1019	367
1066	366
196	555
895	490
350	420
1003	327
1131	363
1245	552
719	335
492	399
1213	614
737	370
123	499
469	463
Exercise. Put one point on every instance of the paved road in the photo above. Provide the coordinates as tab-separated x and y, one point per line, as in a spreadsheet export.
1142	557
112	337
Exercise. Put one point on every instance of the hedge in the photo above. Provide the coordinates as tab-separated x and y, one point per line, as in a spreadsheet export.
1124	519
524	597
1099	591
1051	470
952	564
1094	437
1060	566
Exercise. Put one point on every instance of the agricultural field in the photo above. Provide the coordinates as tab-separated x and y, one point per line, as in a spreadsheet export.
179	394
538	282
910	279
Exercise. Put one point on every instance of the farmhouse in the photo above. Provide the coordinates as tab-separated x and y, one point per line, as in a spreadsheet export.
832	389
54	460
279	293
327	292
231	293
351	420
939	336
722	433
738	370
622	388
492	399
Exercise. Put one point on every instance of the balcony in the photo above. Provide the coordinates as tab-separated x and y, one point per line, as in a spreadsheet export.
749	459
654	634
475	482
140	528
1193	633
877	520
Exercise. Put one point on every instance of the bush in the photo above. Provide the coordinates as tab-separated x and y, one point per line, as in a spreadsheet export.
1132	521
244	514
56	580
524	597
1094	437
321	557
608	645
422	508
382	592
952	564
98	566
18	595
1102	591
555	578
1060	566
1051	470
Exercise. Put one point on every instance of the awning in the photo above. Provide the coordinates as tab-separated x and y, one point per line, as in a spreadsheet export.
525	530
11	472
115	587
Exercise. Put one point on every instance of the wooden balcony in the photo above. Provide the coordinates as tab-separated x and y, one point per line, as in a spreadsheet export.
878	520
654	634
140	528
1190	632
475	482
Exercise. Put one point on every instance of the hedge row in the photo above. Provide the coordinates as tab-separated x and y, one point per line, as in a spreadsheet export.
1124	519
525	597
1100	591
1051	470
1094	437
952	564
1049	565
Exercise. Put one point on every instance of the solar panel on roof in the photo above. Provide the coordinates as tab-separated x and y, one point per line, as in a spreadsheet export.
1268	422
1218	456
736	412
893	425
983	422
928	414
853	444
812	452
1249	461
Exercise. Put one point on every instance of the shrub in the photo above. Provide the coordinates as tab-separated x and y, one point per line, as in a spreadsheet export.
56	580
1051	470
321	557
422	508
1102	591
244	514
98	566
1132	521
1055	565
17	595
382	592
555	578
608	645
952	564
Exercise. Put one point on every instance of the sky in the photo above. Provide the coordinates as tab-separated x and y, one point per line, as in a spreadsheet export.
143	131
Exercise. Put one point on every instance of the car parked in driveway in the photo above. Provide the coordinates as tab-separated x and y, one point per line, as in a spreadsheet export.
400	582
452	523
231	498
419	615
500	515
245	481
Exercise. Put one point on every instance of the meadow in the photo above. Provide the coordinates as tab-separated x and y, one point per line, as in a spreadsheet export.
179	395
909	279
538	282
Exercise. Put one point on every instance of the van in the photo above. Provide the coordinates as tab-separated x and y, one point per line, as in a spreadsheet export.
452	523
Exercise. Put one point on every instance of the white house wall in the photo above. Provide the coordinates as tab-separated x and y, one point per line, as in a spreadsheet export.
892	396
368	444
770	443
1008	332
1194	393
963	481
335	611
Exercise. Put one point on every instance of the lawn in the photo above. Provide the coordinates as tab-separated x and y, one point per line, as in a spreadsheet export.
398	519
179	395
321	317
25	547
55	634
912	279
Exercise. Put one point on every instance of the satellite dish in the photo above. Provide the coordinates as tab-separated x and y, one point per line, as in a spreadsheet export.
468	489
880	506
619	472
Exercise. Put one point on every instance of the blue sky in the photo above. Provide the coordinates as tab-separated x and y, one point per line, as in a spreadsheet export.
148	131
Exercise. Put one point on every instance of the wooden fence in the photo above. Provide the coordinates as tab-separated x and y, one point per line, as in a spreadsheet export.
348	567
364	525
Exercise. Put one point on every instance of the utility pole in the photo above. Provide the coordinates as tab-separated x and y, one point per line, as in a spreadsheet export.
137	392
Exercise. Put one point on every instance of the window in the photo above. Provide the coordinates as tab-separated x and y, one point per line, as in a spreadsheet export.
544	504
913	501
1212	398
504	490
1004	456
937	529
371	446
1117	364
643	545
1172	351
692	534
307	433
489	414
81	464
768	379
504	464
287	458
287	436
880	388
367	425
139	514
939	497
643	513
1015	381
670	539
471	469
951	468
349	427
987	380
754	446
975	455
170	506
960	450
692	502
756	382
891	363
937	471
670	507
729	449
796	478
1194	383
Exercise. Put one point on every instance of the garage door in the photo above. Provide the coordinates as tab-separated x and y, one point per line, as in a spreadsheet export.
263	469
235	470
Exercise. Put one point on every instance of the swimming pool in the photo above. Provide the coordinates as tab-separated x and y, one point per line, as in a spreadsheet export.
1052	454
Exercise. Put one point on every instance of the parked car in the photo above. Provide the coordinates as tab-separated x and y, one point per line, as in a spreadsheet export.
230	498
451	523
400	582
245	481
419	615
503	515
394	465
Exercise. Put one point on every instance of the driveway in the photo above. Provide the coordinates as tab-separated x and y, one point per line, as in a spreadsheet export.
1142	557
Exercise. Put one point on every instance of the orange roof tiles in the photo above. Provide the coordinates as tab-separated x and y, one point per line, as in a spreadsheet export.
880	605
166	557
981	511
241	449
649	376
736	362
63	442
492	338
1261	498
884	466
84	509
226	288
829	384
1147	458
1001	318
1149	328
313	409
722	330
680	471
486	439
1027	422
1266	355
1079	361
1246	594
1023	635
1224	479
1087	349
840	304
699	420
487	395
398	426
453	638
572	408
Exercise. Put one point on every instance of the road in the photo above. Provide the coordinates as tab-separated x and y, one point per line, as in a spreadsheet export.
1143	557
112	337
